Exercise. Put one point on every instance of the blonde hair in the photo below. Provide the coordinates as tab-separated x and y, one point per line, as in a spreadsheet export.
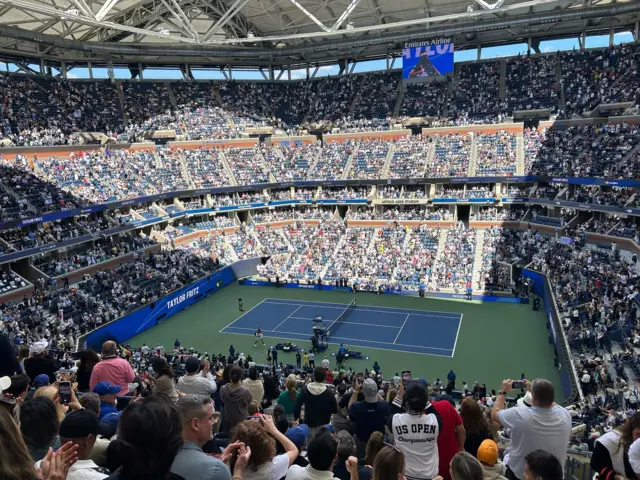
51	393
253	408
15	461
291	385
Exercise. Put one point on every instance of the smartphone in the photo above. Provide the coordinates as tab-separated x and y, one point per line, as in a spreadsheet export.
406	376
64	392
518	384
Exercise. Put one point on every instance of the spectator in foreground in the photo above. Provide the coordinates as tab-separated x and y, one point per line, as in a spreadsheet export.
288	397
611	450
368	416
198	420
39	426
108	401
541	465
81	429
164	379
475	425
492	467
322	450
465	466
254	385
319	403
260	436
149	438
38	363
112	369
546	425
451	438
346	449
236	399
374	445
15	461
415	425
195	382
389	464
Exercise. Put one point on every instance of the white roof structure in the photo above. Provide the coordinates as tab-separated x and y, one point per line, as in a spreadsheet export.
285	32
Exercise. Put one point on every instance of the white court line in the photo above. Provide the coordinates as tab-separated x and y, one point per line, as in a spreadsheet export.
403	324
375	310
400	310
245	313
348	322
351	339
306	337
457	333
276	327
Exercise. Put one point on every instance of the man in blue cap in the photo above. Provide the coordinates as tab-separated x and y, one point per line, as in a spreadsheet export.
108	400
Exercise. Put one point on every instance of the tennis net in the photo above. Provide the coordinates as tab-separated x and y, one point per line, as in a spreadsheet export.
345	314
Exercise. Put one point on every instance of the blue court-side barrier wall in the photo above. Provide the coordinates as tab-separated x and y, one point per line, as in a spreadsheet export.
148	316
409	293
156	312
568	376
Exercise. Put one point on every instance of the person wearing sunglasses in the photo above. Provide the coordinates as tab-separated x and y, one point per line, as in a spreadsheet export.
416	424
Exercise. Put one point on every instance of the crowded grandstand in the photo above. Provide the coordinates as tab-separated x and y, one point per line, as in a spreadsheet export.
220	261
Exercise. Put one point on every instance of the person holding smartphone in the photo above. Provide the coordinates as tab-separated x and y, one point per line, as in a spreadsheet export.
416	425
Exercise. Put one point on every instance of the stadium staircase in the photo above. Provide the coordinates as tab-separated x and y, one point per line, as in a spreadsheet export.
347	167
227	169
632	153
172	97
503	79
563	193
159	163
371	248
431	153
265	166
519	155
561	101
314	161
632	200
401	89
357	96
473	161
125	115
218	98
442	241
387	162
477	259
185	170
448	98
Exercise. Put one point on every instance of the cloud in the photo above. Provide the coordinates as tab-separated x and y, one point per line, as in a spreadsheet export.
322	72
71	75
548	48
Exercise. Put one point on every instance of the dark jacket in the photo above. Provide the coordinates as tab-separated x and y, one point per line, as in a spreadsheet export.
319	404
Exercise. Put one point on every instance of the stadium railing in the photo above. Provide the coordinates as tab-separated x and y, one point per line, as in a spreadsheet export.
569	377
157	311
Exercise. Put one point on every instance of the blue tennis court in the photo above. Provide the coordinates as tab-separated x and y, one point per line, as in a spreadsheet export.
398	329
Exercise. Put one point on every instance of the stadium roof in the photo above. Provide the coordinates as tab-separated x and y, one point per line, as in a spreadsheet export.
284	32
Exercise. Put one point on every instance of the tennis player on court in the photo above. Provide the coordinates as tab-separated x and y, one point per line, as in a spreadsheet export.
259	337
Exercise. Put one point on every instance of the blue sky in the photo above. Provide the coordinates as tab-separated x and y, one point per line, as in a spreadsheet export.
546	46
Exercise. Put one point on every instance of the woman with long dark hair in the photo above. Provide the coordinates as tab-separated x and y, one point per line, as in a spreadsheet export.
475	425
164	379
610	457
88	360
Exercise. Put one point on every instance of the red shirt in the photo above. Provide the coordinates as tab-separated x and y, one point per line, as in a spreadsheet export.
448	444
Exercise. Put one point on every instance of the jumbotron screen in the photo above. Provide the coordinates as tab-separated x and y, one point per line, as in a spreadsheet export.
427	58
